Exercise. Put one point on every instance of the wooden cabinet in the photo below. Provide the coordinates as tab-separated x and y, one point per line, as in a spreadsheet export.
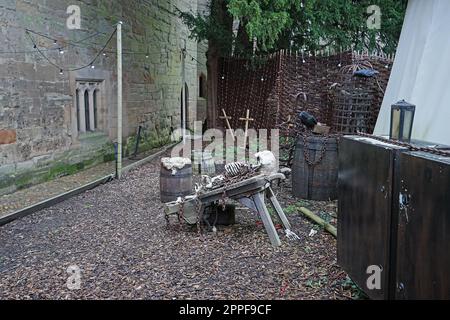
394	212
366	191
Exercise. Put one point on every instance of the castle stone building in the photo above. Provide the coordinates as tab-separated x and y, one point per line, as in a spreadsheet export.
54	122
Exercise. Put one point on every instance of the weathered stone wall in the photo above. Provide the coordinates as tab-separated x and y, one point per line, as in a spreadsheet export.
38	126
202	48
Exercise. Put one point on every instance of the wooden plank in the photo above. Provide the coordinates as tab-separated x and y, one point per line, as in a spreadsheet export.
53	201
276	205
266	219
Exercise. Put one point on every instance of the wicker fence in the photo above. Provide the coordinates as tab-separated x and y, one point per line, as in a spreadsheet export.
288	83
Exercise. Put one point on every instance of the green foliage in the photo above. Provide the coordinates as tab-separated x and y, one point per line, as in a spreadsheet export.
294	208
306	25
356	292
264	20
343	23
212	27
317	283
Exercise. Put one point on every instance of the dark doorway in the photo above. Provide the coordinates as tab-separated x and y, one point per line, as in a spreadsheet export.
183	99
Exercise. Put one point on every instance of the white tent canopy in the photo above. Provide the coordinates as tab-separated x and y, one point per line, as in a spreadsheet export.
421	72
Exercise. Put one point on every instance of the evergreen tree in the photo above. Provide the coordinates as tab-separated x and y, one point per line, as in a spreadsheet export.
306	25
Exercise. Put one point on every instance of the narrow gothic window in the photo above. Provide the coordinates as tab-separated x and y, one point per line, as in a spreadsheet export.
95	108
78	108
86	110
88	106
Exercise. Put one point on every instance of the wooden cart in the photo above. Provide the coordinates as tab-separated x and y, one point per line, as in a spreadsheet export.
251	193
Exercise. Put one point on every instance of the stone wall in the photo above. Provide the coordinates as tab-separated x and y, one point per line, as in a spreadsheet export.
38	117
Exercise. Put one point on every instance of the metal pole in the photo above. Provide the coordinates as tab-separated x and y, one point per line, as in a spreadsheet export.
119	100
183	94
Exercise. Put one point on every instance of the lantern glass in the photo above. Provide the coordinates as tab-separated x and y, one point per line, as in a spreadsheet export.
407	125
402	119
395	124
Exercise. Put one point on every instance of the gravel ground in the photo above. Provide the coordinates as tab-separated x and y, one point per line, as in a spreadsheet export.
118	237
30	196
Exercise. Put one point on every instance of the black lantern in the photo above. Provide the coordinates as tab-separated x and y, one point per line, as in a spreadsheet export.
402	119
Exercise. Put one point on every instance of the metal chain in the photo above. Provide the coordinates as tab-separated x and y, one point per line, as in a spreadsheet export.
199	206
233	180
307	154
409	146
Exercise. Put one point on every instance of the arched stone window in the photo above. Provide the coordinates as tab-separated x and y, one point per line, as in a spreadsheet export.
87	106
77	98
96	100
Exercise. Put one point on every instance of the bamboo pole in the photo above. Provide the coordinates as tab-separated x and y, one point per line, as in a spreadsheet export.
328	227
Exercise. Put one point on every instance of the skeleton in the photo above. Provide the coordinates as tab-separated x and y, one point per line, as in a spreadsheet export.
266	164
265	170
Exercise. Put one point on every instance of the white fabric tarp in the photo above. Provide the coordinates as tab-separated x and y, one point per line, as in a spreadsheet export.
421	71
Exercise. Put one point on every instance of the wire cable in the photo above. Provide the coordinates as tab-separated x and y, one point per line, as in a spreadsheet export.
71	69
59	48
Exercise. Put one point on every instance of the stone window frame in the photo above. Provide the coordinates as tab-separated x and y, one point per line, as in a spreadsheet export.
96	92
87	105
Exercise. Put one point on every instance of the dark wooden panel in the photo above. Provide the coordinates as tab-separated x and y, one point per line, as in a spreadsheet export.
423	266
365	189
317	182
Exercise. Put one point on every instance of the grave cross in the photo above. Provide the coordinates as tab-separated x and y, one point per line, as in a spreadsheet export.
227	120
247	119
290	122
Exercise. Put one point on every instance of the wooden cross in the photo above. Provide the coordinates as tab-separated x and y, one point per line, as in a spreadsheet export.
227	120
247	119
290	123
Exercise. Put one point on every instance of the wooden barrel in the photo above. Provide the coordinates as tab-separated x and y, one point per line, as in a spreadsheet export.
208	166
314	178
203	163
175	185
197	157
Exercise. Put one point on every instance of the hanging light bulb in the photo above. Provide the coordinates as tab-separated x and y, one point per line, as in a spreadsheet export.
61	51
262	79
61	72
223	77
340	65
92	67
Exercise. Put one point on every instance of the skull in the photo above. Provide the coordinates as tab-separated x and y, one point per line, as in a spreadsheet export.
267	162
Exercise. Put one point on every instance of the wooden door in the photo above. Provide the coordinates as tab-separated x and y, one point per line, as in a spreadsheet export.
423	255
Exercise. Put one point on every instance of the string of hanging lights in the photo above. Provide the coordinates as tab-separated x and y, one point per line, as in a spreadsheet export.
91	64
